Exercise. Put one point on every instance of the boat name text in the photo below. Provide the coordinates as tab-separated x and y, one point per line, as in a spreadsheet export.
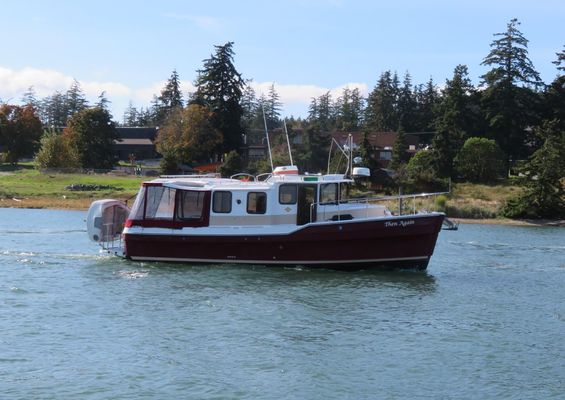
402	224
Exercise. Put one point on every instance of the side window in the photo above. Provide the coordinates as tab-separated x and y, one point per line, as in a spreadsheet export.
256	203
139	205
191	204
221	202
160	202
287	194
328	193
344	192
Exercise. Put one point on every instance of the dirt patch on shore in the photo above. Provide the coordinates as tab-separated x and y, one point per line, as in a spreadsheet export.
47	202
514	222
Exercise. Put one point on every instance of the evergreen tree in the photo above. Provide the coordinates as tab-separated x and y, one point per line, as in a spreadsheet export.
313	111
170	98
544	196
29	99
381	111
325	112
508	100
454	123
406	107
130	115
560	62
54	111
399	151
348	110
75	100
367	153
103	101
554	96
232	164
312	156
273	108
220	87
427	99
249	106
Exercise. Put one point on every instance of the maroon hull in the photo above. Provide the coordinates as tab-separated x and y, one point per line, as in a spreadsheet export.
395	242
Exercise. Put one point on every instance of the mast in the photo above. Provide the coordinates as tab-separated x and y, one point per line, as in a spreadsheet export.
267	135
288	142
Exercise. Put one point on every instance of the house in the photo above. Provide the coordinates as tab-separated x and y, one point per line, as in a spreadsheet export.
381	142
139	142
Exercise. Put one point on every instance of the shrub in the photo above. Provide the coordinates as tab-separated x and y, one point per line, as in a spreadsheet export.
479	160
441	202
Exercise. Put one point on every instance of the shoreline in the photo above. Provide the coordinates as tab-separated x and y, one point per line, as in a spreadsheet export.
82	204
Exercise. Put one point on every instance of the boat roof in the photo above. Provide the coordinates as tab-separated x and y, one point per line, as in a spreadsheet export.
210	182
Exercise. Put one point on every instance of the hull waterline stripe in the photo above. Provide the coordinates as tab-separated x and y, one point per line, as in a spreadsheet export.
298	262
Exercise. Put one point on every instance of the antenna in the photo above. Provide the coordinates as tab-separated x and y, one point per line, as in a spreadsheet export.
343	152
288	142
267	135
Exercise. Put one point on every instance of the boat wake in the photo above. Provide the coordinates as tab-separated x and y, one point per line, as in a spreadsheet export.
509	246
41	231
26	257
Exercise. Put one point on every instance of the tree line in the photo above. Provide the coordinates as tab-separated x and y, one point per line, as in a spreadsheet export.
511	121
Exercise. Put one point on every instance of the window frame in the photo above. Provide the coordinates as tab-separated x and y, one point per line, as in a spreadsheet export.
260	194
295	195
222	192
180	210
335	193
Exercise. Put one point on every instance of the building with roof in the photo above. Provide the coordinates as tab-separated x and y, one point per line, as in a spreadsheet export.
139	142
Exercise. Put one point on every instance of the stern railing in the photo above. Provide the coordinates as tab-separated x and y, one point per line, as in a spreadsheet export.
407	204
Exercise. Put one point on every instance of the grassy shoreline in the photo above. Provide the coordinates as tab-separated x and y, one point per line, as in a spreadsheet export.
25	187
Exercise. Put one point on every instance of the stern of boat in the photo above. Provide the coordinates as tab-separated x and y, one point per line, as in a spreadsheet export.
104	224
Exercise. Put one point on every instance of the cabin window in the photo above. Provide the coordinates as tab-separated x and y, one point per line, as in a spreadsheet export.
191	205
138	206
287	194
256	203
343	192
328	193
160	202
221	202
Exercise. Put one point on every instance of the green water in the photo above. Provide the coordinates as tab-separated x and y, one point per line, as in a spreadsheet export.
486	321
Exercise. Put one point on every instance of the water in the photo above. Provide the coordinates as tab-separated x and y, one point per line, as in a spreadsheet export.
487	320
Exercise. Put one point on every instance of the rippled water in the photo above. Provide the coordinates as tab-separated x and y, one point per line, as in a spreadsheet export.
487	320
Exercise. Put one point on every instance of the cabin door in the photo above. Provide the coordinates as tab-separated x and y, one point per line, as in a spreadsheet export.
306	204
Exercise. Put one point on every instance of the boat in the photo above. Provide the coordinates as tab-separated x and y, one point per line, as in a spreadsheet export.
282	218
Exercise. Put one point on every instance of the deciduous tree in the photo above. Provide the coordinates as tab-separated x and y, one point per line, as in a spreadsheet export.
20	130
92	132
479	160
189	134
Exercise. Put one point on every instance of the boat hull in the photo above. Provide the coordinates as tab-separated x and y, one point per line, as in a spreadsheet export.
396	242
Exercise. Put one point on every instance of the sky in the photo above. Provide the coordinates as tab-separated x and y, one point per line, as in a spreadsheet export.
305	47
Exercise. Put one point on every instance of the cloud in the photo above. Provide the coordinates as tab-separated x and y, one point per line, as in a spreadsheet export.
201	21
297	95
13	83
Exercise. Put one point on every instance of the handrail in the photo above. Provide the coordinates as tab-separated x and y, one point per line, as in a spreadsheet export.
244	174
339	205
267	174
